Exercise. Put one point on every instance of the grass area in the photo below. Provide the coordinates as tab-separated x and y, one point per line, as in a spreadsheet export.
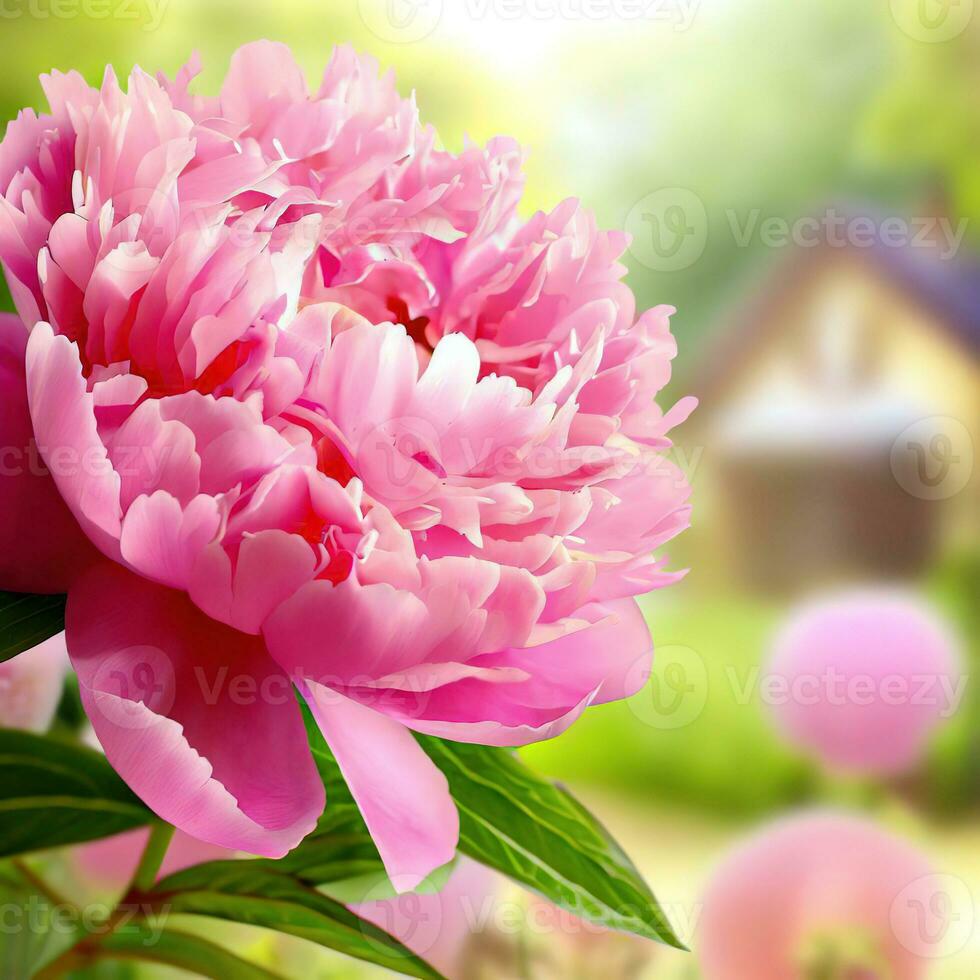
678	852
696	735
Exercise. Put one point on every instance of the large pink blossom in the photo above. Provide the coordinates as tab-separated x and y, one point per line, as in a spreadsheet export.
265	472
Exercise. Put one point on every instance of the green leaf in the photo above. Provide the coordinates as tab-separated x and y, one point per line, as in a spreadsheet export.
340	855
339	849
70	717
529	829
53	793
341	859
250	892
6	301
27	938
537	833
140	941
109	970
27	620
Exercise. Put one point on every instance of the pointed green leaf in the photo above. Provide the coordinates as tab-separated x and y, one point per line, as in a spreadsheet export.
249	892
54	793
529	829
340	855
340	848
537	833
27	939
140	941
27	620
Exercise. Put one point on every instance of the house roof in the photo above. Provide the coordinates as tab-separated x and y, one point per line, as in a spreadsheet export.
948	287
789	420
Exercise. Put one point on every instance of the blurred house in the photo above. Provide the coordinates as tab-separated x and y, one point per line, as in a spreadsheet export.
839	415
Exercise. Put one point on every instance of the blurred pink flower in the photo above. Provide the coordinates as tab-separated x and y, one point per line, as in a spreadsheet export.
865	678
558	943
289	480
476	926
111	862
438	926
820	895
31	686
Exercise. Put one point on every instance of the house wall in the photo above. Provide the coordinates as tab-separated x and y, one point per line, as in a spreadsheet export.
846	328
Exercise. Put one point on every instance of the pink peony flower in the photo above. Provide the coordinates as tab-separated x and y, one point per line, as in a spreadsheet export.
821	895
866	677
283	489
533	296
31	686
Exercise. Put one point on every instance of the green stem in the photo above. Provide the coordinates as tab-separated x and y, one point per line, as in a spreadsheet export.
38	883
153	855
143	880
65	963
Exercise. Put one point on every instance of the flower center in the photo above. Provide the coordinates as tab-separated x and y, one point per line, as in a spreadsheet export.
415	327
843	954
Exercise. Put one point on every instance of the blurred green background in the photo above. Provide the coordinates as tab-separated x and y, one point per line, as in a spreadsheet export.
708	130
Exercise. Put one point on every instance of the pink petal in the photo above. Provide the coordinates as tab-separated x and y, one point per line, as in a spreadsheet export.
263	77
613	657
373	629
402	795
193	715
534	694
479	711
271	566
42	553
368	378
162	540
64	423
